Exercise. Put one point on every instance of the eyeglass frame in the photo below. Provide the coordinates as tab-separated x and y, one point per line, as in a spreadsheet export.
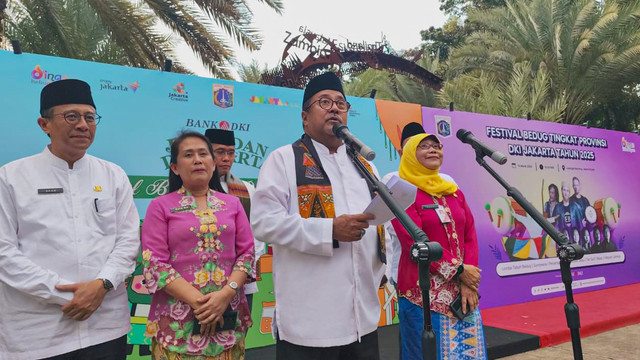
427	146
80	116
330	106
221	153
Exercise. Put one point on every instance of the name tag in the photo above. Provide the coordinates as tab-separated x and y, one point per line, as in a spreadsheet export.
442	214
181	209
50	191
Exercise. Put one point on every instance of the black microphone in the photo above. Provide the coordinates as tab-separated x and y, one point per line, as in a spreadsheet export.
467	137
342	132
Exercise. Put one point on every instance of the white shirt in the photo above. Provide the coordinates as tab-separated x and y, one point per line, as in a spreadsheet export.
393	245
324	296
60	238
260	248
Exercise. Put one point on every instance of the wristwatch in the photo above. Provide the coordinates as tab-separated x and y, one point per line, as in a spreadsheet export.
460	270
233	285
107	284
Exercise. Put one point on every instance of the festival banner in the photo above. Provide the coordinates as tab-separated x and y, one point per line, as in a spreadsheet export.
518	259
142	110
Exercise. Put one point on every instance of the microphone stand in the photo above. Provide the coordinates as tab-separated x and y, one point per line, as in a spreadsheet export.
423	252
567	252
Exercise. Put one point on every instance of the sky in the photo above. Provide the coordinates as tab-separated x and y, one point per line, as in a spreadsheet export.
400	21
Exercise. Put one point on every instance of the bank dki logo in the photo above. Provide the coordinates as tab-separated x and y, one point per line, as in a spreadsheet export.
443	125
43	76
223	96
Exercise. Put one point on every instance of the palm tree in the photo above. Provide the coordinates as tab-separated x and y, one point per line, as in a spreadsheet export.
523	93
394	86
363	84
253	73
132	25
3	5
589	49
85	37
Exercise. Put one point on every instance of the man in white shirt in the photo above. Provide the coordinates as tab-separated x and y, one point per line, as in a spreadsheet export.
224	149
327	261
68	239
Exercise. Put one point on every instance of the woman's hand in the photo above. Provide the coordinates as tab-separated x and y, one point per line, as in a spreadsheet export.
211	308
469	297
471	276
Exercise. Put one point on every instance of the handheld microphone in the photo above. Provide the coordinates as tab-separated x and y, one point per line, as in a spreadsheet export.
342	132
467	137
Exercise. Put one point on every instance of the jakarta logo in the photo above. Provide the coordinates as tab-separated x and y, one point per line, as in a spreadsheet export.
223	96
443	125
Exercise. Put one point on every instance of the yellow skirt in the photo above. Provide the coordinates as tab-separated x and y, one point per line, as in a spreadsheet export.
160	353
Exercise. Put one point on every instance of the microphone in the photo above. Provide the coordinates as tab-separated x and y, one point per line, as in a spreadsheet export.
467	137
342	132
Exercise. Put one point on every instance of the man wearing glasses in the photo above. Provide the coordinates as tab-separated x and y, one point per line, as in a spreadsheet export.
327	261
68	239
224	150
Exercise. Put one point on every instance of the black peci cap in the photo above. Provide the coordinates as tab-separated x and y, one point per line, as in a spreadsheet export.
62	92
222	137
326	81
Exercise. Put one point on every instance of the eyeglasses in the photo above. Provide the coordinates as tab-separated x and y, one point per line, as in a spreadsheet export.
327	104
427	146
73	117
221	153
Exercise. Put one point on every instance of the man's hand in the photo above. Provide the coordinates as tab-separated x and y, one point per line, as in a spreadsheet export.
471	276
350	227
87	298
469	297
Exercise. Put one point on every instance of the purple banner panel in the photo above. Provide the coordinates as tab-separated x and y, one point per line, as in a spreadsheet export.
584	180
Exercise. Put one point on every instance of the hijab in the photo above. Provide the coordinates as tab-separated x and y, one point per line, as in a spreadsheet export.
414	172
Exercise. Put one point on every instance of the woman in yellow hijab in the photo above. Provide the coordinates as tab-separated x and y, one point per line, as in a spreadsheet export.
441	211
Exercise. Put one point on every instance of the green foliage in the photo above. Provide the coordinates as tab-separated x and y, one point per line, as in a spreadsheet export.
524	92
395	86
73	30
252	73
453	33
127	31
362	84
3	6
460	7
441	40
621	112
589	50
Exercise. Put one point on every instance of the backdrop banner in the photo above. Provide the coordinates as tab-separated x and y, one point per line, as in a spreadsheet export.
590	172
142	110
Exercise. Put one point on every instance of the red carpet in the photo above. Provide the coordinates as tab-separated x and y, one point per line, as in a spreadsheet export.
600	311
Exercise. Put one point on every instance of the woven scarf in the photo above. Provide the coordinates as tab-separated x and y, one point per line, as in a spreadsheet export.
315	196
238	189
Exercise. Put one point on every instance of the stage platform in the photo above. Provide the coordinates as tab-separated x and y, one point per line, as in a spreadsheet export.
519	328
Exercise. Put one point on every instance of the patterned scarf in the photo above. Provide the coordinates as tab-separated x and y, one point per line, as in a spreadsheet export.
315	196
238	189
